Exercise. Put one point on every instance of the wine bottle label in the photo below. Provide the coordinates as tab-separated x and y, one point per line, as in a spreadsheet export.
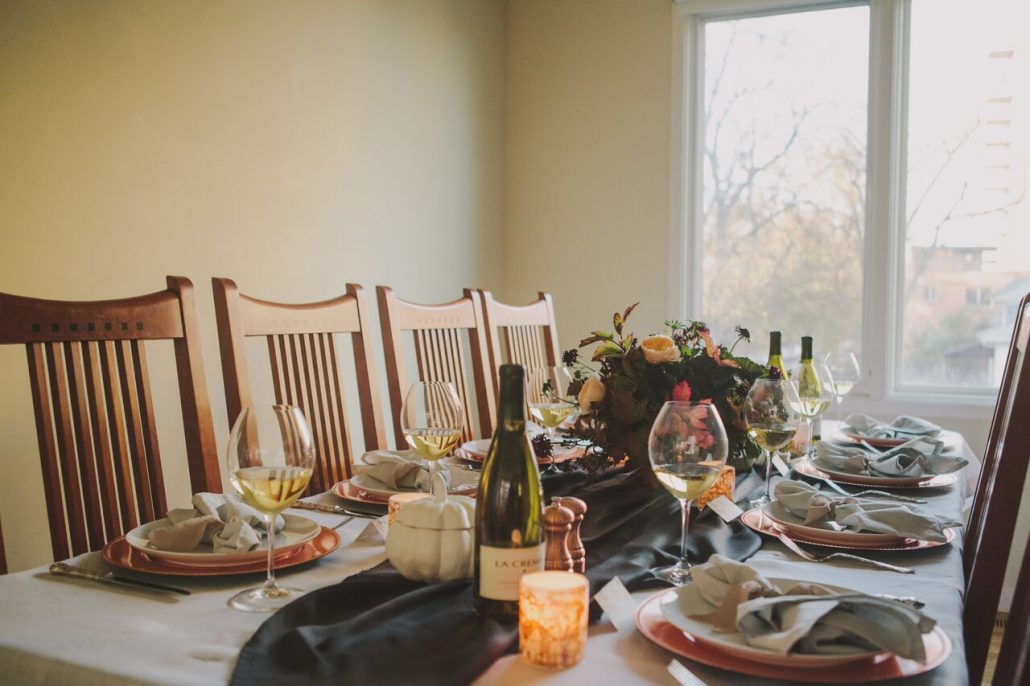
501	568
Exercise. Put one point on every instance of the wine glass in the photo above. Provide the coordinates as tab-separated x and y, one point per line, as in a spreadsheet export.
547	392
771	413
432	418
845	372
688	448
813	384
270	459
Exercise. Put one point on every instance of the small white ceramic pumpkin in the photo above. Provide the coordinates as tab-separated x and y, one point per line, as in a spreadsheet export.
433	539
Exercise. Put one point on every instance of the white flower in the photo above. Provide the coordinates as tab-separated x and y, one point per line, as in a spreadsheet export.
660	349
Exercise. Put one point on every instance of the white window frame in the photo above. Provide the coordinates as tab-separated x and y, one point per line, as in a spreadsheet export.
884	255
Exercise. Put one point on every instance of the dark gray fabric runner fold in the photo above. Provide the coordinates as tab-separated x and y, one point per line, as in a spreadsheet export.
379	628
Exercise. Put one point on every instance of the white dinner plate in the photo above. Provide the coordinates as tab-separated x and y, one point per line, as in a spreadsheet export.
296	532
463	482
477	449
823	531
810	468
735	644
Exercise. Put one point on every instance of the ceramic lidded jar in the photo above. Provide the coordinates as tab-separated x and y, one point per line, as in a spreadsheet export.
433	539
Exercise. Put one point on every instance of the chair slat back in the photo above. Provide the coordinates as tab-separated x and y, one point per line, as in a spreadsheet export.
988	538
521	334
305	365
94	412
439	333
1013	665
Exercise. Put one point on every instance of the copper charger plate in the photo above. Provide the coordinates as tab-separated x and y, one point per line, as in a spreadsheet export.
757	520
120	554
806	468
348	491
564	456
655	627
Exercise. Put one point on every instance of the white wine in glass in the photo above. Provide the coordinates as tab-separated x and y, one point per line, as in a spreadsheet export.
845	373
688	448
432	418
270	459
547	393
771	413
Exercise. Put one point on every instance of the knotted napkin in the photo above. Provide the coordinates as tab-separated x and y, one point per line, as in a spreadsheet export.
397	470
806	618
918	457
230	526
859	514
902	427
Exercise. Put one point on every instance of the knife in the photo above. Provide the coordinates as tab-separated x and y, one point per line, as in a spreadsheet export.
333	509
62	569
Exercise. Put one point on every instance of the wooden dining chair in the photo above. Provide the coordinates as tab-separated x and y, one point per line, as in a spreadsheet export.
94	412
521	334
1013	665
305	364
439	333
992	520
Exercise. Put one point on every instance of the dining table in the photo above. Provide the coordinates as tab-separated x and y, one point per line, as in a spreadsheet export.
60	630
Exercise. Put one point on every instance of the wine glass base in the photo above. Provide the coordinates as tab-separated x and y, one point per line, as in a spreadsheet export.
676	574
264	599
760	501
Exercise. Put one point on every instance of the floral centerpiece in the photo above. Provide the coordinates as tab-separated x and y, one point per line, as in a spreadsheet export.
620	400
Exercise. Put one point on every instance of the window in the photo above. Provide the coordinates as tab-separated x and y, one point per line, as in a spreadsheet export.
886	215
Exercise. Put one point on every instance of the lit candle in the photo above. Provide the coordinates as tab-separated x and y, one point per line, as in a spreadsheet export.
399	500
553	612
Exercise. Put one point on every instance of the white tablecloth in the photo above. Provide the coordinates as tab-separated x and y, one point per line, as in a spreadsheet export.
66	631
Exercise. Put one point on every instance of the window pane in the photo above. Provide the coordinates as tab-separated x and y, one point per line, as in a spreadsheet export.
968	233
784	177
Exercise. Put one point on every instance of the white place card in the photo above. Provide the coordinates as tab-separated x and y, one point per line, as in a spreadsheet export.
781	466
725	508
683	675
376	527
618	604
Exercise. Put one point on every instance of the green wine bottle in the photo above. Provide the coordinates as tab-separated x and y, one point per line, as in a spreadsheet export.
775	356
509	507
814	398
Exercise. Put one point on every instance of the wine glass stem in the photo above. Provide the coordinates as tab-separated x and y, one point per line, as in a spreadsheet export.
270	527
684	527
768	471
434	467
840	401
809	423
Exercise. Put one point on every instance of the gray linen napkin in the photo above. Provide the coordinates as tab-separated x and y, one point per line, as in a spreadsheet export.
902	427
397	470
859	514
805	619
918	457
228	525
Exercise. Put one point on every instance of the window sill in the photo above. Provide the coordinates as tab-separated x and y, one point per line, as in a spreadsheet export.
953	406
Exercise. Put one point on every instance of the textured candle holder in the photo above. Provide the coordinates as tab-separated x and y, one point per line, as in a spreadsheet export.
722	486
553	612
399	500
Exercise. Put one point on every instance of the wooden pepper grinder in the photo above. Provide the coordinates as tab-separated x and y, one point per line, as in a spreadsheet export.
576	548
558	522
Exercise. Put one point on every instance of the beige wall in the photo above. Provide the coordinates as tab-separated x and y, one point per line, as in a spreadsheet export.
293	146
587	171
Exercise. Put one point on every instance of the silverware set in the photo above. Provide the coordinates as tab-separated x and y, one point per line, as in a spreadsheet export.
794	547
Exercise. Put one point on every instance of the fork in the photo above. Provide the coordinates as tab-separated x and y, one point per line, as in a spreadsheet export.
682	674
792	545
874	493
